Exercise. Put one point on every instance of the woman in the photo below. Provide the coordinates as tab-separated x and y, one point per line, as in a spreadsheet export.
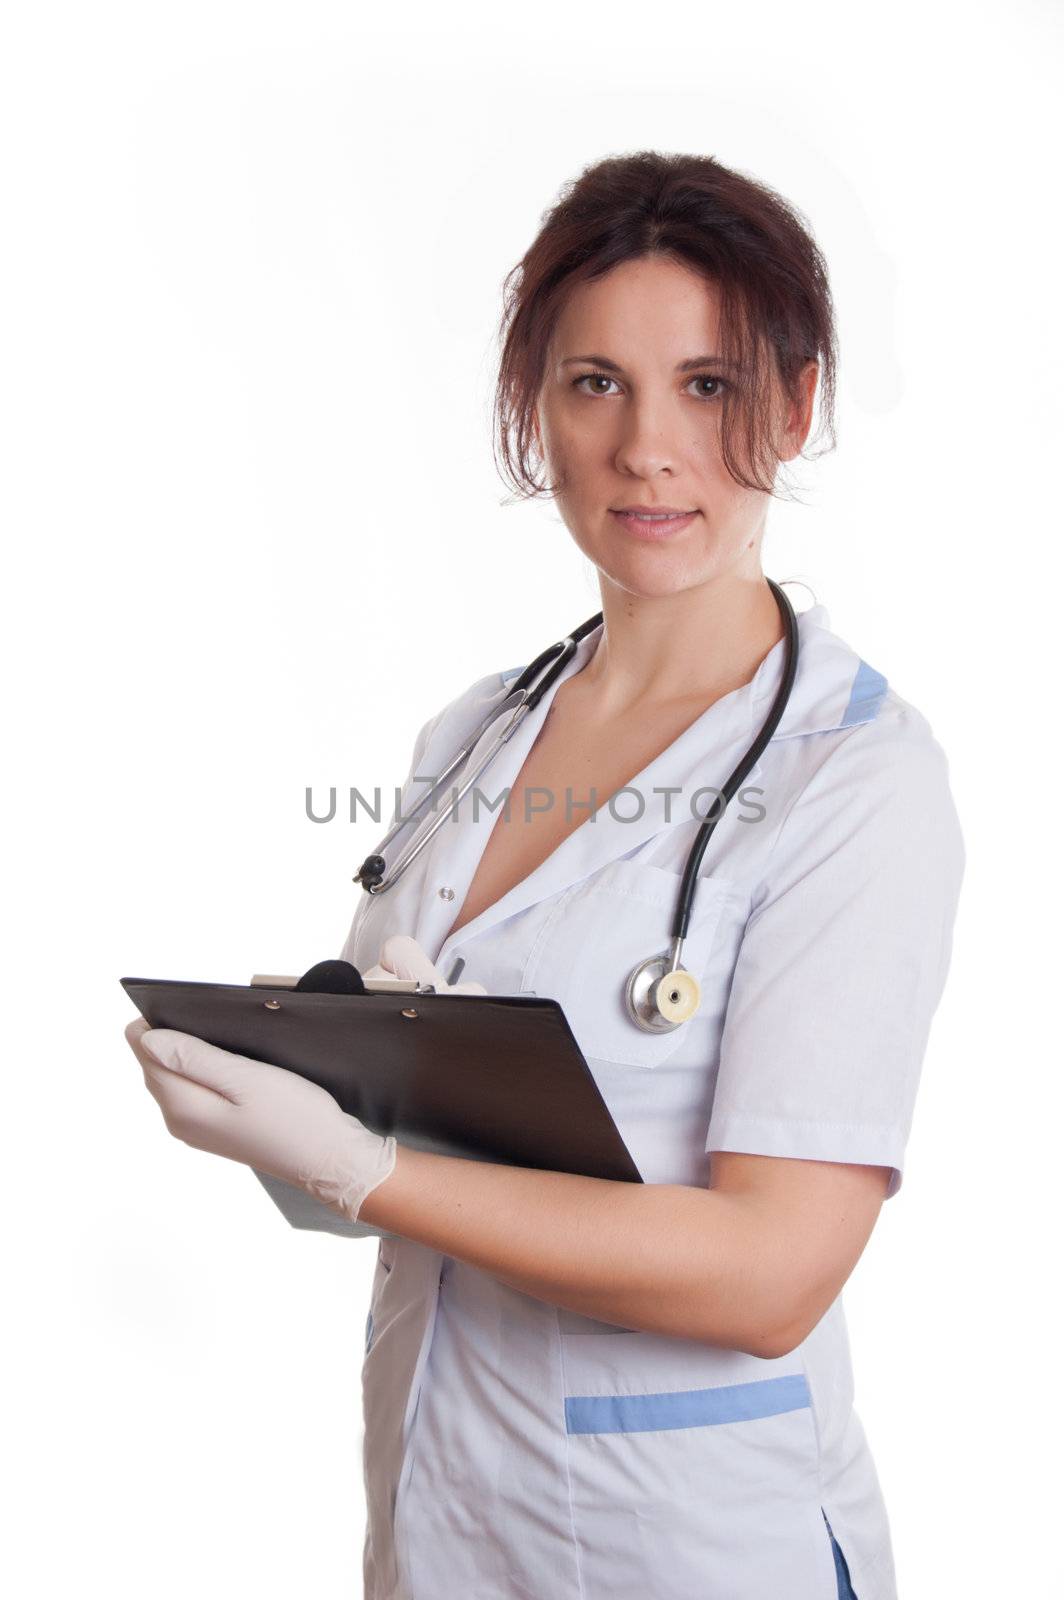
587	1389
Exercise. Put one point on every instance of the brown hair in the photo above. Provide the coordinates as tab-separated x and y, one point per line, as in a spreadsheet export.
776	311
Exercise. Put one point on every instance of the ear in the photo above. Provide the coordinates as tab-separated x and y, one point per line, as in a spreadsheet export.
800	415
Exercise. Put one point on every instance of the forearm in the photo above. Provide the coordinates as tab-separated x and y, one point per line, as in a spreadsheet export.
663	1258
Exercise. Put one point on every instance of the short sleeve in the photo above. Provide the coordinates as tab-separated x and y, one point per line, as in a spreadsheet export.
844	957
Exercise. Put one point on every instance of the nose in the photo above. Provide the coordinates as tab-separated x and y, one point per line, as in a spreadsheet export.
650	442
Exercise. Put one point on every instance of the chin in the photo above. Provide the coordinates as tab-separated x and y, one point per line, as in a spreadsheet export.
653	574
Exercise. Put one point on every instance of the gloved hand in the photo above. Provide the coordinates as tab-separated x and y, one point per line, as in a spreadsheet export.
272	1119
402	957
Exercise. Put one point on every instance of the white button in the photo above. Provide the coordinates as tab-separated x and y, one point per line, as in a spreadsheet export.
446	894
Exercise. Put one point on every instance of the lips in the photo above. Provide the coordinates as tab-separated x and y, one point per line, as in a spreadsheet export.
653	511
653	522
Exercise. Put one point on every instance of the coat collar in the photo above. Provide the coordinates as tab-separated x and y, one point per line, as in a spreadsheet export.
833	689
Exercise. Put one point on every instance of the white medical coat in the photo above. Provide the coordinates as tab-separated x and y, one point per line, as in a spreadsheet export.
516	1449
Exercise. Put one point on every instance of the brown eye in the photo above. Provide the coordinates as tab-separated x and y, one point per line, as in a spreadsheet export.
707	377
587	376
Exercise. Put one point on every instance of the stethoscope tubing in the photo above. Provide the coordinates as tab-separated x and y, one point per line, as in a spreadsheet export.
373	874
731	785
523	696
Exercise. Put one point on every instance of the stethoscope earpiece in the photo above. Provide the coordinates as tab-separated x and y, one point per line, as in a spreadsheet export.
659	997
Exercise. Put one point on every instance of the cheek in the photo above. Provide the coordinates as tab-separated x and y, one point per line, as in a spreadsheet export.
706	457
564	445
574	431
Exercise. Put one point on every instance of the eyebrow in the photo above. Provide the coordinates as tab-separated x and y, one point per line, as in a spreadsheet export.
691	365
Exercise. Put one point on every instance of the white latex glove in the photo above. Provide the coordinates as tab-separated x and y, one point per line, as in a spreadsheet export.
402	957
272	1119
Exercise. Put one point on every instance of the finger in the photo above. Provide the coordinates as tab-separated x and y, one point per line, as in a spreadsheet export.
134	1032
158	1079
183	1101
402	953
183	1053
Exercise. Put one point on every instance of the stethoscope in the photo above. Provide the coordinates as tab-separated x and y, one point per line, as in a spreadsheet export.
659	993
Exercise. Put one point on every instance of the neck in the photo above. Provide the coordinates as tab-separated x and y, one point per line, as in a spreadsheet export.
697	645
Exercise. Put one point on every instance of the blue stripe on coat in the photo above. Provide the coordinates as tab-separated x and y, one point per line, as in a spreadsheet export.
687	1408
866	696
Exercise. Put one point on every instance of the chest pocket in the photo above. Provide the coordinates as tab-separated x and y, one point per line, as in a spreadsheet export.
599	930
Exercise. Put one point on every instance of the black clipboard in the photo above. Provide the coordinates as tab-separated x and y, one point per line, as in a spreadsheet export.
486	1077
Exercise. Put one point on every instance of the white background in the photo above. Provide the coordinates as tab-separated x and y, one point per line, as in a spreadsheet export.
255	537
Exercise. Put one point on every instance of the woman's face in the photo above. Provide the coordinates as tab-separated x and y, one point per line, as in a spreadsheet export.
629	415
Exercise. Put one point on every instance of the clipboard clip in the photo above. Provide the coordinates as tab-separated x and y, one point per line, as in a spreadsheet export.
339	977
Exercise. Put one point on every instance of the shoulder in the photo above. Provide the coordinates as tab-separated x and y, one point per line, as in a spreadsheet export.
859	775
453	722
848	724
896	742
895	750
875	800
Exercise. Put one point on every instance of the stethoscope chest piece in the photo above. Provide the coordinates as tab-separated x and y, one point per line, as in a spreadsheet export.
660	997
659	994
